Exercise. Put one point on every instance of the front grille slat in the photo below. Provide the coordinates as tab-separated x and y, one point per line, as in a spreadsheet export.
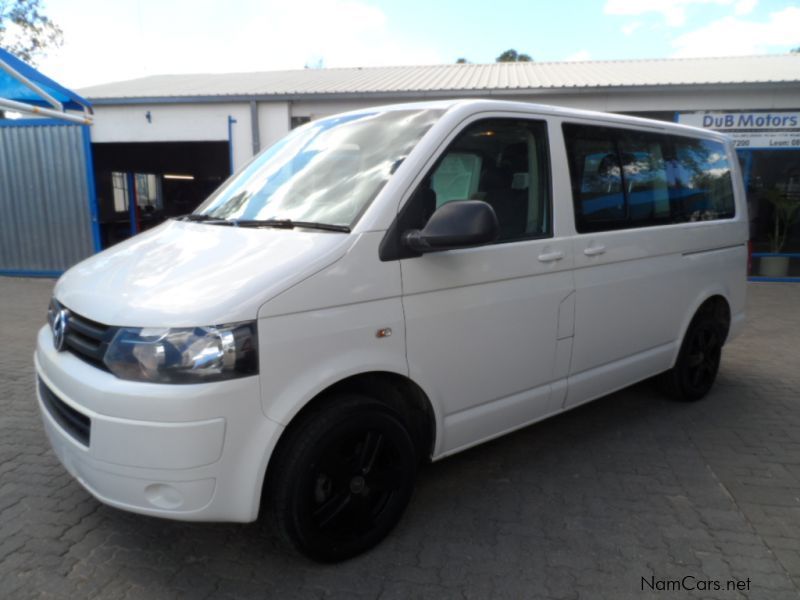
88	328
78	425
83	346
87	339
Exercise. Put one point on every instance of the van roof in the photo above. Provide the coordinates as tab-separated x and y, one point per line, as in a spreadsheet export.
475	105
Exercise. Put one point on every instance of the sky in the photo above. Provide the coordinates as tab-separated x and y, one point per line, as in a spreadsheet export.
114	40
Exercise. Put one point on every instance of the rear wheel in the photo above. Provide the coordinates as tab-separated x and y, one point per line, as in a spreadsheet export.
343	478
698	361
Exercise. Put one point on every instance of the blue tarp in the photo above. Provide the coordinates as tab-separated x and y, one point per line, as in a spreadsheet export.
11	89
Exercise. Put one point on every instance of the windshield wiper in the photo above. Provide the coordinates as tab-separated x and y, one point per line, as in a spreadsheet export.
289	224
203	219
278	223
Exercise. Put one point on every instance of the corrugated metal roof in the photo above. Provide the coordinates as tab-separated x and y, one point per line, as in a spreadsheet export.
452	78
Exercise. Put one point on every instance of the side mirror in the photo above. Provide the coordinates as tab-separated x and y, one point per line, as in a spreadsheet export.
458	224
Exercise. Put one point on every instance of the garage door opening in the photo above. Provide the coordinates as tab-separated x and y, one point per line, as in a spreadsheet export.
140	185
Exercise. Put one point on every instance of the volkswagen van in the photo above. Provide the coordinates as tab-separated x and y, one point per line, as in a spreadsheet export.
383	288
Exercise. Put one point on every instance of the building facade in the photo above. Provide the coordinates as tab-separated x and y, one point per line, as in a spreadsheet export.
161	144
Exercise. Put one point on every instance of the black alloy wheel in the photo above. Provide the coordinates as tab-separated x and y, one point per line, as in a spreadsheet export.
698	361
702	360
344	478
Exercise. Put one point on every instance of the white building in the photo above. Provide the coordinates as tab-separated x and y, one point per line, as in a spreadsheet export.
169	140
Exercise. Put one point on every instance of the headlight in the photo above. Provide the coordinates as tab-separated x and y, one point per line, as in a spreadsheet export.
184	355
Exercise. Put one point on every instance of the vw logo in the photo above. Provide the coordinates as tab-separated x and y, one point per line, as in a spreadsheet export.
59	326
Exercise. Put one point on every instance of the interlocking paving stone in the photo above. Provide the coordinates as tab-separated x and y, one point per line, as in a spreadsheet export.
584	505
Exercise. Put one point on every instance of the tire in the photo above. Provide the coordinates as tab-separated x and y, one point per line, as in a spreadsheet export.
698	361
343	478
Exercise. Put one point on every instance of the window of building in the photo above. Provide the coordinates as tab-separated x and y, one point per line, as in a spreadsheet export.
119	186
297	121
148	192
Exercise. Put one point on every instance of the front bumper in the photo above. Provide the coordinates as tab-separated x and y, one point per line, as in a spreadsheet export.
190	452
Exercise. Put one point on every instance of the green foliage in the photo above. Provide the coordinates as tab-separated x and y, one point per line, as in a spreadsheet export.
786	213
462	61
513	56
25	31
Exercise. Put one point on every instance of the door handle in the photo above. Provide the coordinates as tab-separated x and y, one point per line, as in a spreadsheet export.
594	250
551	256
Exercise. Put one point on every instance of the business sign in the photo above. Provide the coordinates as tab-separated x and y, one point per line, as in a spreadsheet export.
762	130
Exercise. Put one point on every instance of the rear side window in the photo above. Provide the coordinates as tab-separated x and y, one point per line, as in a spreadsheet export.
645	174
623	178
596	178
703	185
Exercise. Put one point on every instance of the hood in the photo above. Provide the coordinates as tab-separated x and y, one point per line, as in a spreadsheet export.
192	274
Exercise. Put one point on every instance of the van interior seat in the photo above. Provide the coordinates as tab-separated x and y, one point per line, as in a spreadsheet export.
504	187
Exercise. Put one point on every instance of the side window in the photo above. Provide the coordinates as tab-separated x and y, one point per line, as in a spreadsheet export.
457	177
503	162
703	180
624	178
645	174
596	178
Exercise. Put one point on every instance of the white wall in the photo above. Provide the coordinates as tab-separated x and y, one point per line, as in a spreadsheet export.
209	121
176	123
323	108
668	98
273	122
673	99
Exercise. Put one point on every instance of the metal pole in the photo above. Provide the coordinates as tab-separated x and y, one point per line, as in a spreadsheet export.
45	112
231	121
94	208
131	178
30	85
254	127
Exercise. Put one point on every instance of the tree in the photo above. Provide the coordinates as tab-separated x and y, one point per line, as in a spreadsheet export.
513	56
462	61
795	50
316	63
786	214
25	31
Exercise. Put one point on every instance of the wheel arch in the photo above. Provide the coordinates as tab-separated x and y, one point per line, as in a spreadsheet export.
714	300
397	391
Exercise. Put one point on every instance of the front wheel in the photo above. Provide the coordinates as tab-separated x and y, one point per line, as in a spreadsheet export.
343	478
698	361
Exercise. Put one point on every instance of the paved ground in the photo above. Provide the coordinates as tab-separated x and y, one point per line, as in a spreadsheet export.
582	506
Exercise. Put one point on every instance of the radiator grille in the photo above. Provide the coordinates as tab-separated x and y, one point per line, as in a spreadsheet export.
76	424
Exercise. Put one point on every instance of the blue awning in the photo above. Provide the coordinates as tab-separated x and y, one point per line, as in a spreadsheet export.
12	89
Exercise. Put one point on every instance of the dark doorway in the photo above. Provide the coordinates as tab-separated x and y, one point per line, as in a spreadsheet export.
139	185
769	172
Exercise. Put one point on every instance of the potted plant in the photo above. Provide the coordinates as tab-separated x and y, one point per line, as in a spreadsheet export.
786	211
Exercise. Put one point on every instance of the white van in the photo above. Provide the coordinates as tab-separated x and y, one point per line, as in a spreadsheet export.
386	287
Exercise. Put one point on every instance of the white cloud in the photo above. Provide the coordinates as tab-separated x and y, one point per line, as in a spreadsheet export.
631	27
107	41
745	7
673	11
581	55
732	36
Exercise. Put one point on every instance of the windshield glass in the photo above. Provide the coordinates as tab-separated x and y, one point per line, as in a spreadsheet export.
327	171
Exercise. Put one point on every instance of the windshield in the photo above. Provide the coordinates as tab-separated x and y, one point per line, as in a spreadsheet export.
327	171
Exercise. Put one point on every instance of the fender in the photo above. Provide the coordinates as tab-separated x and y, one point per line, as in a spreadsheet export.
705	294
